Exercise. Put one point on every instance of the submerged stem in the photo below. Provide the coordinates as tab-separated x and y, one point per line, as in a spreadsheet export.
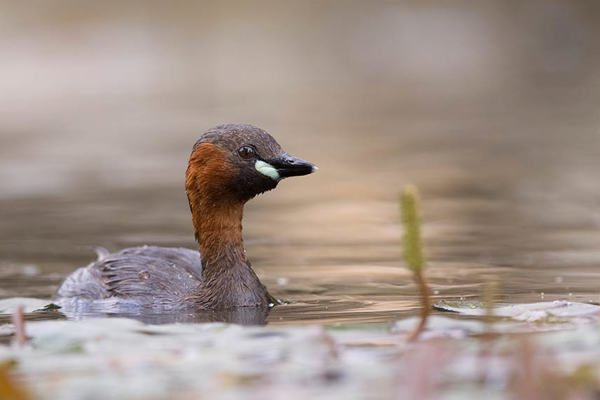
425	293
18	319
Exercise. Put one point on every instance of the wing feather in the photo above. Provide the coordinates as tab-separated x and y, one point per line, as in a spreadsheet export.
152	275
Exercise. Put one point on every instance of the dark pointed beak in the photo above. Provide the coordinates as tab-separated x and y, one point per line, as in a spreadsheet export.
288	165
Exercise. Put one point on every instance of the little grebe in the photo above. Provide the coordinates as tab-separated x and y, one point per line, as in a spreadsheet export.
229	165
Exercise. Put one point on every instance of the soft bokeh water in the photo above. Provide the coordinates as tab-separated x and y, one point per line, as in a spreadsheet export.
491	110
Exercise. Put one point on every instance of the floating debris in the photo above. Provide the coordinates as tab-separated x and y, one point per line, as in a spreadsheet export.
548	311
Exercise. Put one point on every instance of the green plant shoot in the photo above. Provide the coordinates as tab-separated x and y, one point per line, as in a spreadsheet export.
413	246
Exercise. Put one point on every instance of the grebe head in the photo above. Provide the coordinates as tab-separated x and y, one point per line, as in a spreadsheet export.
238	162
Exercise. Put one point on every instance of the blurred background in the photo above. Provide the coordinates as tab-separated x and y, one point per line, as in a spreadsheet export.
489	107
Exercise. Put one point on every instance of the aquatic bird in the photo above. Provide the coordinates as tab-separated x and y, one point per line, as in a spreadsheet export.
229	165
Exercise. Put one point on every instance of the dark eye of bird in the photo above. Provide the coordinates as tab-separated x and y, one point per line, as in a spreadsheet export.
246	152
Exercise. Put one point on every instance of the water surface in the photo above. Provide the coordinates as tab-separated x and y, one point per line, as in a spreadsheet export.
503	144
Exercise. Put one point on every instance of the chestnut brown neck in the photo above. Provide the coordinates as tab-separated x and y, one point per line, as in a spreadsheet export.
216	213
218	229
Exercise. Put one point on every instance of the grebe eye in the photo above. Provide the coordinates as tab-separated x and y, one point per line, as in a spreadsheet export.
246	152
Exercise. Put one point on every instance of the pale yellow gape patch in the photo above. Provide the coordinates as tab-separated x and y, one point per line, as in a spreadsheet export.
267	170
